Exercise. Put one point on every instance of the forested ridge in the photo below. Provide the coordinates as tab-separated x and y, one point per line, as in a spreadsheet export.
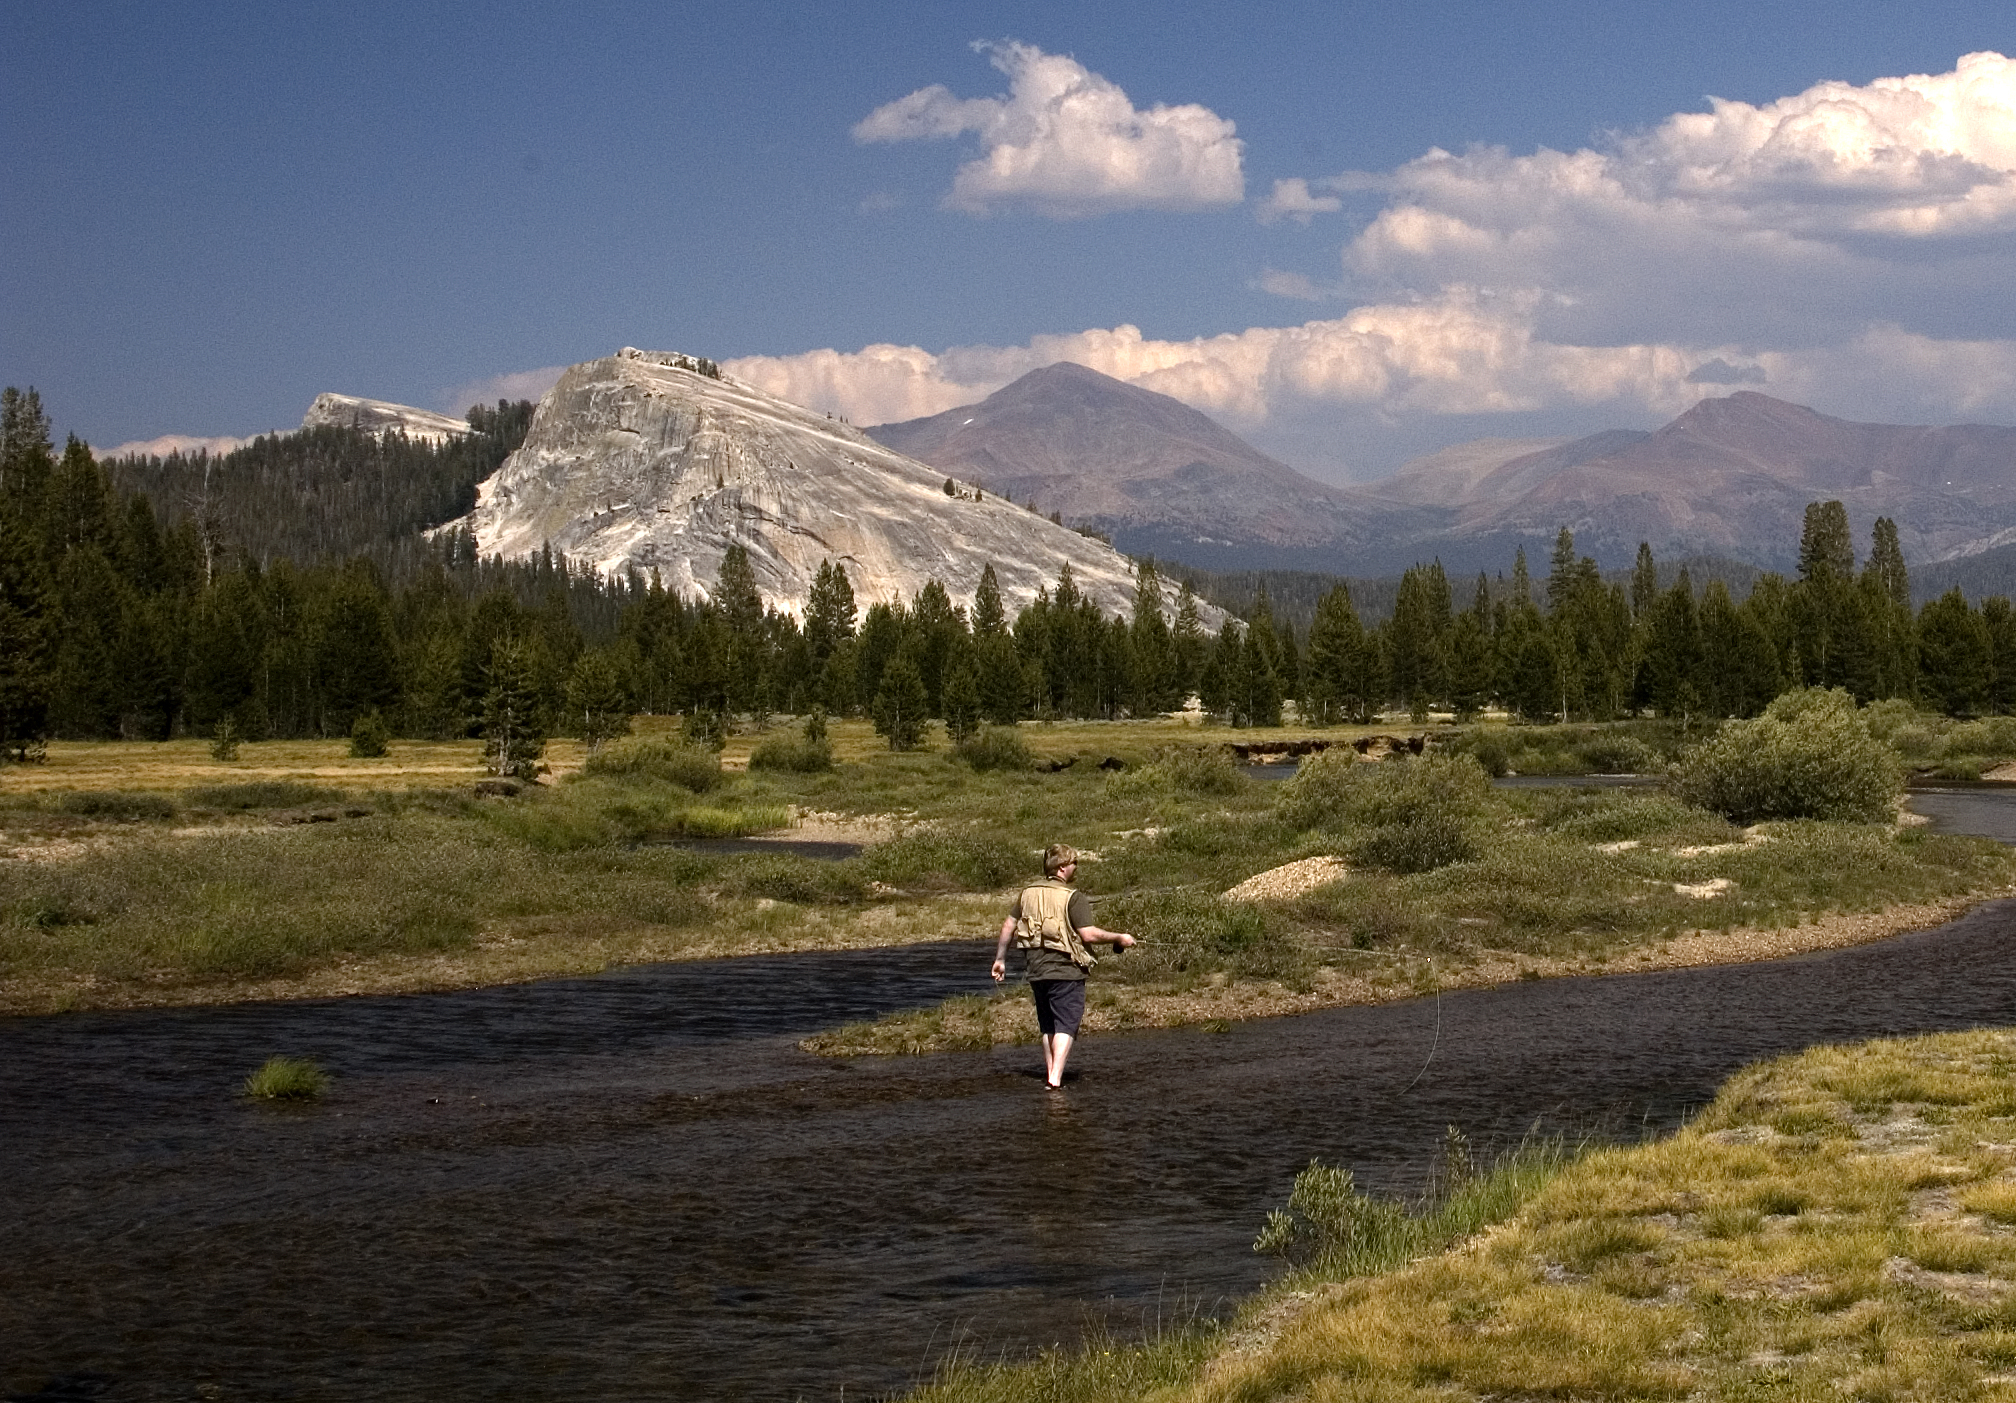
188	607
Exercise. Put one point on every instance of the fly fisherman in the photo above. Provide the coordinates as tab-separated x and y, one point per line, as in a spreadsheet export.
1051	924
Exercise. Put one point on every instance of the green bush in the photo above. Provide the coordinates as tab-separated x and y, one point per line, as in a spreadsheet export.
369	736
1808	756
787	877
1996	735
1491	749
1403	814
694	767
792	753
287	1079
115	803
1612	815
1913	742
995	748
259	794
1182	769
1191	931
1618	755
1885	718
934	858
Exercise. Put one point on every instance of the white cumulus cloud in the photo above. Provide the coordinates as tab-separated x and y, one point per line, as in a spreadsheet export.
513	385
1291	200
1068	143
1812	215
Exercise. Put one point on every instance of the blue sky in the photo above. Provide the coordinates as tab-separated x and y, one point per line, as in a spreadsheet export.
214	212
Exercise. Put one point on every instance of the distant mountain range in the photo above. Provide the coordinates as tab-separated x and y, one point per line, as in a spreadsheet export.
1731	477
1154	474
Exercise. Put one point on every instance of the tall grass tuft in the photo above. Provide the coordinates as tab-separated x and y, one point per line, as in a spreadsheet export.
690	766
258	794
287	1079
994	748
1331	1229
1403	815
116	804
792	754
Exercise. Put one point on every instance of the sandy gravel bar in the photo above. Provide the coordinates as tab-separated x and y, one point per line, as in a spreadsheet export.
1290	879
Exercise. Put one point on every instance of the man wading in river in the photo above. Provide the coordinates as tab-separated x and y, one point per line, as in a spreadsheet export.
1051	924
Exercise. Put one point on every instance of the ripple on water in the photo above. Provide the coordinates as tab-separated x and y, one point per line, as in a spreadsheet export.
635	1186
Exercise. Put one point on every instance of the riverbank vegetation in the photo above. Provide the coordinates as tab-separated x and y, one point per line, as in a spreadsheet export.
139	873
1835	1225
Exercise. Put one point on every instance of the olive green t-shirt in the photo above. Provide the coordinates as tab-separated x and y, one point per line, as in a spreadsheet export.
1049	964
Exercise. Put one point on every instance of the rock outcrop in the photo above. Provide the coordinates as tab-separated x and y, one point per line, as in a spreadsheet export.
645	461
376	415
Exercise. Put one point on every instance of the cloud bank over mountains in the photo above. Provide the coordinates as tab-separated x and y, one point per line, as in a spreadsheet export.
1848	247
1069	144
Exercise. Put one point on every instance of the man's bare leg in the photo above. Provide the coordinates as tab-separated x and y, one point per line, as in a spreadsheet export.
1056	1049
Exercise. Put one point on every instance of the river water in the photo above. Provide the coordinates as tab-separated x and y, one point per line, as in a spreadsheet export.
636	1187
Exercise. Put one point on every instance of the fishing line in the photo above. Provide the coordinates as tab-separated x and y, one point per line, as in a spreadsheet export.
1437	1042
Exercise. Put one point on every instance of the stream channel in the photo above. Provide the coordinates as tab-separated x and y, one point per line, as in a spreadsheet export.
635	1186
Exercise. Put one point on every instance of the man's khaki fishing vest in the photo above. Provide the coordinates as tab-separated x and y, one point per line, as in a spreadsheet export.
1045	923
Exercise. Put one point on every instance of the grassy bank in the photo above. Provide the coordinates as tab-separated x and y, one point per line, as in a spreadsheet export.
151	873
1839	1224
1549	882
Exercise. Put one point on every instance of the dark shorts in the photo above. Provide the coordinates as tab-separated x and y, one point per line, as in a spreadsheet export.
1060	1005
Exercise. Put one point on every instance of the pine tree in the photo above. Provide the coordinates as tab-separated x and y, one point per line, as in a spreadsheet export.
1644	584
962	701
829	611
989	617
900	703
26	643
1337	660
514	732
1003	687
1153	651
1187	642
1673	655
1955	656
597	706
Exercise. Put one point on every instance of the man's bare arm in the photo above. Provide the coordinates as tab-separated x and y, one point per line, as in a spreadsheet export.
1093	935
1001	950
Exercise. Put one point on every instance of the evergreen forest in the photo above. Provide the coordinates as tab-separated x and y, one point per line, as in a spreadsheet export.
288	589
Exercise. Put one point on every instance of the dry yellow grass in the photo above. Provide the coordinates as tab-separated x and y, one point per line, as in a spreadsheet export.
168	766
1834	1227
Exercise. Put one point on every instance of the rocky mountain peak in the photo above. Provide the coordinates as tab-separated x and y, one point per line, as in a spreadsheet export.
380	416
652	460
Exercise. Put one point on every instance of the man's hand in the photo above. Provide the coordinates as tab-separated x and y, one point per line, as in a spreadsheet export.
1000	970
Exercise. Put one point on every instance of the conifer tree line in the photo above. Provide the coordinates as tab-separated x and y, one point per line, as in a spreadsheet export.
124	617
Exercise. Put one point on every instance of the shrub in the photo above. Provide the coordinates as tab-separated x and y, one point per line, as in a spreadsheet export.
115	803
1807	756
1994	736
1189	931
995	748
1913	742
792	753
1885	718
1618	755
224	740
1183	769
1328	1221
935	858
1406	815
368	736
259	794
1608	816
1491	749
788	877
693	767
287	1079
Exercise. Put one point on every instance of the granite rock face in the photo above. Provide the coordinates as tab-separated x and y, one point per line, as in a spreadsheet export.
379	417
643	461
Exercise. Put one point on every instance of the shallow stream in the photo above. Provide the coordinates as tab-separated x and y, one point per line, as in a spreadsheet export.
636	1187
